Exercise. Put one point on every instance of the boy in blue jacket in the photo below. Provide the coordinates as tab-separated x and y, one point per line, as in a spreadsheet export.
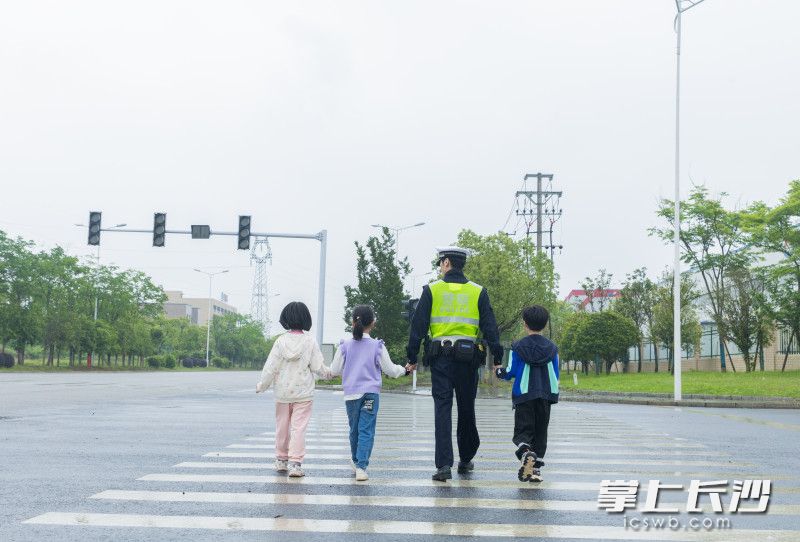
533	365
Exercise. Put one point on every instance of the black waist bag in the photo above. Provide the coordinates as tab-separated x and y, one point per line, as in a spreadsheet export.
464	351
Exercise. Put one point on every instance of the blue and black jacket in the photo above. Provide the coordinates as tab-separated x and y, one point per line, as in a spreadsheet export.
533	365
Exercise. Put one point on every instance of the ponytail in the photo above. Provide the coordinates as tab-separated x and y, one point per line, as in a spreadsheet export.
358	329
363	317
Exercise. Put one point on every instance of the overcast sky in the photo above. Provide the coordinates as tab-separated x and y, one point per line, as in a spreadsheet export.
338	115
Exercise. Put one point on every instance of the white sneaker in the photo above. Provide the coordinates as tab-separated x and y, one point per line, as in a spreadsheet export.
353	466
281	465
361	475
295	471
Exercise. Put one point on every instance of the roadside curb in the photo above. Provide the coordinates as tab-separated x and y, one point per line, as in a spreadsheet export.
750	402
709	401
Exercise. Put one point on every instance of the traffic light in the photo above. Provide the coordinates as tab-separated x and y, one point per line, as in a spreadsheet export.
159	229
244	232
94	228
410	306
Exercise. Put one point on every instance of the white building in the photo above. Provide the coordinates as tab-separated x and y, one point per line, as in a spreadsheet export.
194	308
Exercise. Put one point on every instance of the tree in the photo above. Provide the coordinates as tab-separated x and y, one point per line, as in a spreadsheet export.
512	276
240	339
746	314
21	290
604	336
596	289
105	340
664	309
379	283
774	231
636	302
712	242
570	348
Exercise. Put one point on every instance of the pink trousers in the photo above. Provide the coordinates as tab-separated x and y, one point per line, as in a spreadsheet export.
291	420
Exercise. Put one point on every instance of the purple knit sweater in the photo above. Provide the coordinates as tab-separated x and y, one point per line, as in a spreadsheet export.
361	372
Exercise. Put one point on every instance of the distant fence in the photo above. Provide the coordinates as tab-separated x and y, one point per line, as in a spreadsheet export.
783	342
709	347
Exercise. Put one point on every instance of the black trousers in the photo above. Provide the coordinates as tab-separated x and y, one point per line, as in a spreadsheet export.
531	419
447	377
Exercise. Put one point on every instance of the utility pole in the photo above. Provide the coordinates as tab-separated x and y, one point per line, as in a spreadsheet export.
536	205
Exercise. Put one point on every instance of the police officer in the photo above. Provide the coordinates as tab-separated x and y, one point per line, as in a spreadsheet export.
453	312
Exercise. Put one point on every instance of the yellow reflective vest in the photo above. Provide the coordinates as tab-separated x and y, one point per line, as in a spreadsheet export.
454	310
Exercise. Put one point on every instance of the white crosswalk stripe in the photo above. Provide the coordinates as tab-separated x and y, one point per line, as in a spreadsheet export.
502	459
504	530
583	451
597	473
553	449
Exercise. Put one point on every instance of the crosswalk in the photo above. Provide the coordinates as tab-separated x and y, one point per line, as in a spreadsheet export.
233	488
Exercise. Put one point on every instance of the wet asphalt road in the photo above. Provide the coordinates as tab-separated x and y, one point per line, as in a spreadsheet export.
185	456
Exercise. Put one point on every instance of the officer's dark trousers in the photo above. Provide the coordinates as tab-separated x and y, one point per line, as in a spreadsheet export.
448	376
531	419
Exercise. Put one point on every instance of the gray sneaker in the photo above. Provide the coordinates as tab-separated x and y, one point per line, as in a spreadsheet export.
295	471
281	465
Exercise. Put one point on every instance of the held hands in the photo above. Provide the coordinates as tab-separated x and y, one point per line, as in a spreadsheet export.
410	368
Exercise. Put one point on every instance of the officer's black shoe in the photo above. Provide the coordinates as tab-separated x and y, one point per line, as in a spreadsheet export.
465	467
442	474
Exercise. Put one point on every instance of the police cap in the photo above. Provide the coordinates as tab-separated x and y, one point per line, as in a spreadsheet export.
454	254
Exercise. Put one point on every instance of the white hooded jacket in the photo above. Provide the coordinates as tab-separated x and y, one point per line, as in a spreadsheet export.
292	364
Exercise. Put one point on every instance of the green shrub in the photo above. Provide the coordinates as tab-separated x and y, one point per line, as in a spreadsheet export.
6	360
221	362
154	362
168	361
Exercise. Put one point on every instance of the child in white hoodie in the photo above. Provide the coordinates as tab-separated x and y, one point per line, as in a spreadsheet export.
293	362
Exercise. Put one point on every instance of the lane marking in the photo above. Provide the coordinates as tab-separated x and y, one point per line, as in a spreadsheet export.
382	500
601	473
384	482
377	458
586	532
553	449
502	444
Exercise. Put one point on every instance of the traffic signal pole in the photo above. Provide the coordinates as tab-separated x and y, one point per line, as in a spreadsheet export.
322	237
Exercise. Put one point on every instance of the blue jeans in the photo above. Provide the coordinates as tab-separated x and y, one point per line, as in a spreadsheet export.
362	414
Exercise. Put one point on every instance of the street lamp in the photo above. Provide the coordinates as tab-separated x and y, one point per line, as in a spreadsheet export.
414	280
397	234
208	323
681	6
397	256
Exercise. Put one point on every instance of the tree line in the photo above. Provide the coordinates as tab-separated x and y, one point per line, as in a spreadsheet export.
742	270
48	300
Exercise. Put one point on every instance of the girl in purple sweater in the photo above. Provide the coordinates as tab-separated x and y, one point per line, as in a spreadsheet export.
360	361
